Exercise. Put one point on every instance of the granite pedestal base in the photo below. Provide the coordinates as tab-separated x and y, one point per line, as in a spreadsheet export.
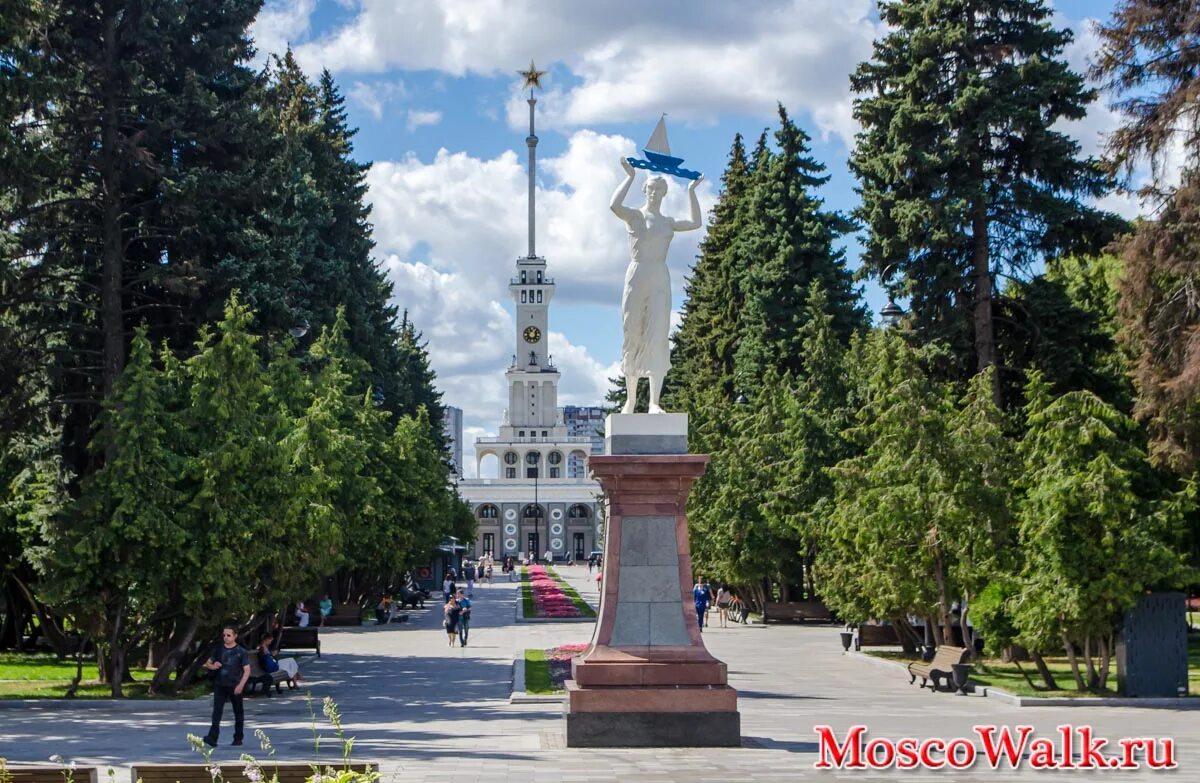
647	679
654	730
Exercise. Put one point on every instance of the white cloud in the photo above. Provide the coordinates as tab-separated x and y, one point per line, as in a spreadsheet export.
374	96
417	118
451	229
633	60
279	23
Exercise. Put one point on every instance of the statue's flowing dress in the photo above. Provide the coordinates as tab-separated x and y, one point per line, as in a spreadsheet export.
646	302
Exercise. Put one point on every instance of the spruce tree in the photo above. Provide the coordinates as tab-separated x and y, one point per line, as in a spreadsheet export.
962	173
1096	529
1149	60
788	244
704	345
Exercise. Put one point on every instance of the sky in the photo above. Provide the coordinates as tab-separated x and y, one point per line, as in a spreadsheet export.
433	90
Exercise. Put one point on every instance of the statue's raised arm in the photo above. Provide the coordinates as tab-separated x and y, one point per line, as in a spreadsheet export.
617	204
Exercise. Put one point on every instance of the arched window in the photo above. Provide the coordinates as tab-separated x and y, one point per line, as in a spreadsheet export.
554	457
510	458
533	511
579	511
488	511
532	457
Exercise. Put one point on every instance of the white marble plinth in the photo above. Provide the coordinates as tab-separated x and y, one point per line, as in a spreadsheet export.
646	433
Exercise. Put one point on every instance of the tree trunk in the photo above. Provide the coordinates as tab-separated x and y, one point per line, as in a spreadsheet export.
116	654
73	688
1043	670
1092	677
46	623
1070	648
182	641
939	638
112	264
981	273
939	575
1105	658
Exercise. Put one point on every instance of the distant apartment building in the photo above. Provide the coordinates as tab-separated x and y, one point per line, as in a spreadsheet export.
583	422
453	427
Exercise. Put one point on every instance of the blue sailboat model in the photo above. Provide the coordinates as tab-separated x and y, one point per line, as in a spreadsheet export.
658	154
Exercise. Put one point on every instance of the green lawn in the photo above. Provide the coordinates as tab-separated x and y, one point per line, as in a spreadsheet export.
537	673
1006	676
43	676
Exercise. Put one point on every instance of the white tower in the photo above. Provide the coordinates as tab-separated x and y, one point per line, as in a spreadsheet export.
532	378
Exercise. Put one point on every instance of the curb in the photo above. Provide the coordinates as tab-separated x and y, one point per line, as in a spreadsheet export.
520	611
992	692
519	695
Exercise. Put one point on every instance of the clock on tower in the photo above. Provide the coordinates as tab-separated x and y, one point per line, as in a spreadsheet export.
532	334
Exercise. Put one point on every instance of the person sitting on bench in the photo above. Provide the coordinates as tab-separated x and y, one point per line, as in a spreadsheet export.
270	664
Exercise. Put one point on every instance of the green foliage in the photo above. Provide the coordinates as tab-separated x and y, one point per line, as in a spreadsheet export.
1095	527
962	168
920	516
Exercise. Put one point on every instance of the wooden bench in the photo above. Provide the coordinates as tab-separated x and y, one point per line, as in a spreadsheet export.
796	611
941	667
288	772
264	680
295	638
876	636
412	598
46	773
344	615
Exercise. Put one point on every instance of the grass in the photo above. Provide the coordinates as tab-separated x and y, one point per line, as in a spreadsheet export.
527	608
537	673
44	676
1006	676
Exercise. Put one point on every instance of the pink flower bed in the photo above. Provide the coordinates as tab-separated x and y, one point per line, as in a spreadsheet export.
558	660
549	600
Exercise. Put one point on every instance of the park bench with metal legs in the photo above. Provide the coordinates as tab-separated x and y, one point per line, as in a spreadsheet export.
941	667
263	680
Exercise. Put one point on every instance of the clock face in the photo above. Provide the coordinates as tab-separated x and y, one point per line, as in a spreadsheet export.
532	334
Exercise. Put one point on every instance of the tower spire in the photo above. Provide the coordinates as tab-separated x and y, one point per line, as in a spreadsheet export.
533	79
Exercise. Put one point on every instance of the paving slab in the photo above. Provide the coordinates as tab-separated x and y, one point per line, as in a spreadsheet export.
428	712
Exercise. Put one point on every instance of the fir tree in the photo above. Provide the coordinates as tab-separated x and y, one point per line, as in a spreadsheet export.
707	338
788	244
1149	60
1096	529
962	173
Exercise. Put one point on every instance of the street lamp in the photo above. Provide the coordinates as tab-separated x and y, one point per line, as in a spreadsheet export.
891	313
299	330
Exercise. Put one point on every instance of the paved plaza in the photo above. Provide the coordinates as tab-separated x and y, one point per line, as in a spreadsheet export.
429	713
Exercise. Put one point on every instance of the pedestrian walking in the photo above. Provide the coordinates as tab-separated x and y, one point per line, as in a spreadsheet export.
723	599
464	617
488	574
470	571
448	587
452	614
232	667
701	595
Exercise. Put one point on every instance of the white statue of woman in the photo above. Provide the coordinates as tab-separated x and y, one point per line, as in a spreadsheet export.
646	302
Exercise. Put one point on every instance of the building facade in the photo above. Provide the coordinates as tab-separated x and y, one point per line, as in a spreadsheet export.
453	427
583	422
541	500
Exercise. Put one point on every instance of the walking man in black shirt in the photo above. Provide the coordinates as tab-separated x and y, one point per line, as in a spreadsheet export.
232	667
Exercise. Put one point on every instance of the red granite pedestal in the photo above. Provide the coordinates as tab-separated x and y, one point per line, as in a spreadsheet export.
647	679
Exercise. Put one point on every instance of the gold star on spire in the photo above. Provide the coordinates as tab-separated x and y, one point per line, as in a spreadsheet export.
533	77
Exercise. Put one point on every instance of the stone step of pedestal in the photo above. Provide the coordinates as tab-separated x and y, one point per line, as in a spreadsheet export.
643	698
